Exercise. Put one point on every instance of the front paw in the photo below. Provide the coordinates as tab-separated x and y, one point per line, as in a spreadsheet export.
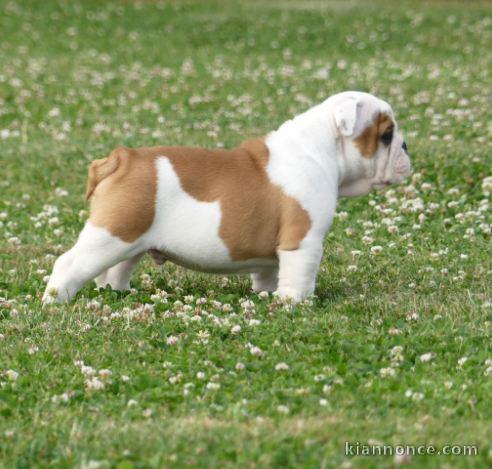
50	296
54	295
292	295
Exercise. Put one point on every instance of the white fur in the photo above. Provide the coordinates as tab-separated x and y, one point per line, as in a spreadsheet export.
311	157
187	230
96	251
183	226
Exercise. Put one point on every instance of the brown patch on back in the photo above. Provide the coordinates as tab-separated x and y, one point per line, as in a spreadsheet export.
123	189
257	217
367	142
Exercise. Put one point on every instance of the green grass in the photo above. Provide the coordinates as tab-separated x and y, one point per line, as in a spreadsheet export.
78	78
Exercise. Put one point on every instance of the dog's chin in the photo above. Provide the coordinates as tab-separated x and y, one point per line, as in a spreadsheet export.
381	185
398	179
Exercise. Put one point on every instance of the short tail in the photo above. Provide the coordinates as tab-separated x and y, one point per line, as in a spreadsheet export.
101	169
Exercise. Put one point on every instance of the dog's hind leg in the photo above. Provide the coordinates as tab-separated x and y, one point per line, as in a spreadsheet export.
100	280
95	252
266	280
118	276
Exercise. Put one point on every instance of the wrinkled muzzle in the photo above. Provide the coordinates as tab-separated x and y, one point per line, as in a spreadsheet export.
402	167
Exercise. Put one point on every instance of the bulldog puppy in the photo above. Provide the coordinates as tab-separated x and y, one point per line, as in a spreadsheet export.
262	208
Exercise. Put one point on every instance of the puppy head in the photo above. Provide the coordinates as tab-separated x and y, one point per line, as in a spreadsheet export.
371	149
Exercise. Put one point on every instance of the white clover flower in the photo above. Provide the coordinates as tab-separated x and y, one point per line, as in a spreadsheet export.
485	228
105	373
12	375
393	229
147	413
94	305
213	386
352	268
132	403
87	370
236	329
327	388
226	308
387	372
412	316
427	357
399	459
203	336
487	185
200	375
247	305
376	250
417	396
323	402
281	366
240	366
462	361
172	340
33	349
396	350
173	379
54	112
94	384
256	351
367	240
14	241
125	378
60	192
283	409
263	295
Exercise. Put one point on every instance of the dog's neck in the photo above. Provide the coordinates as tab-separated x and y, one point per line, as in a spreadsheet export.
314	134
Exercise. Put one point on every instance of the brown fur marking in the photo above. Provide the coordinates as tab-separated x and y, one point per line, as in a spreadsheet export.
257	217
368	140
123	200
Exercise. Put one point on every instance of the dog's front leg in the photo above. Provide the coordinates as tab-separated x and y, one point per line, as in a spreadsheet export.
297	271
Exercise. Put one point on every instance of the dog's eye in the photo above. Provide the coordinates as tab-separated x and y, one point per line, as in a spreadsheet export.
387	137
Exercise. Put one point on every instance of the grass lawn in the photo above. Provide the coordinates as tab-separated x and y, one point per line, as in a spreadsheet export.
192	369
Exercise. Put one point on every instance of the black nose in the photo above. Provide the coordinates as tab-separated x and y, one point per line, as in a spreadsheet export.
404	146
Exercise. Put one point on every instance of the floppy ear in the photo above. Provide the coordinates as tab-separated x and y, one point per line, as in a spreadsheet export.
346	115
